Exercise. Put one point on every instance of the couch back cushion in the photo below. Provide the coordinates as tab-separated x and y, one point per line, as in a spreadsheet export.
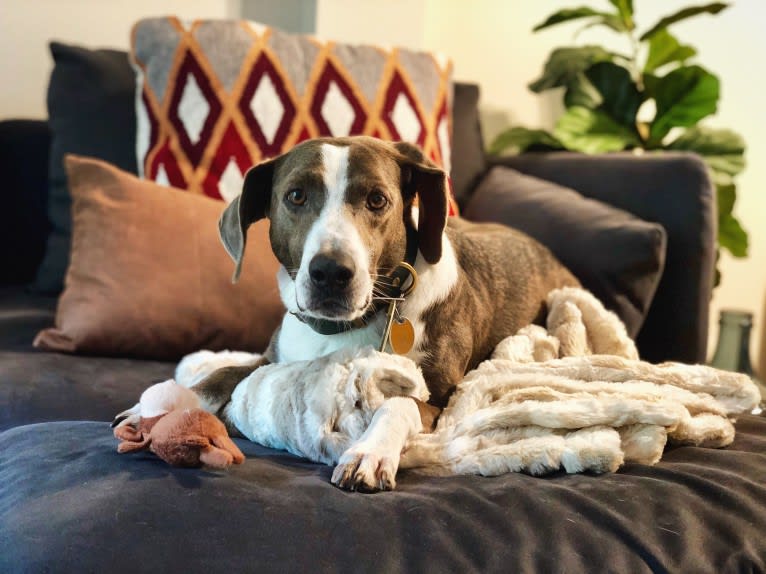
216	97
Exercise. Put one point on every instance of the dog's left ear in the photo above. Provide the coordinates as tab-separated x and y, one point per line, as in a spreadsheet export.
247	208
422	178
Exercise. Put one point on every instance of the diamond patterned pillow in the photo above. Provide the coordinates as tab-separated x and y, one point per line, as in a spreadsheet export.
216	97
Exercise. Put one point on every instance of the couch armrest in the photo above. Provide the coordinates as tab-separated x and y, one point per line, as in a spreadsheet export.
24	223
674	190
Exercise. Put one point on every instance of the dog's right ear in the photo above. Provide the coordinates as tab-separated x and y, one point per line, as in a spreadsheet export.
247	208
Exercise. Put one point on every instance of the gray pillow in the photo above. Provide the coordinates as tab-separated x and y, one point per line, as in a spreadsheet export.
91	113
615	255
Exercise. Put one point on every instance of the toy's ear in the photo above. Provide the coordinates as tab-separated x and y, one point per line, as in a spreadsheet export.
247	208
130	445
422	178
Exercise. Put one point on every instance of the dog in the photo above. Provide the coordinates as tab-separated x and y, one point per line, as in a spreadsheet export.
357	223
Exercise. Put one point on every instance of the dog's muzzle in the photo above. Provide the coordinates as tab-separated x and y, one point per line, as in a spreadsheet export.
331	274
332	284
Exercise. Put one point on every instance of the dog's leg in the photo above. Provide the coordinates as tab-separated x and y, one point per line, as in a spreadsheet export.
214	391
370	464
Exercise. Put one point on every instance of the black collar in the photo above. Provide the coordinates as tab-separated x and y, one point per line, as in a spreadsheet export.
393	289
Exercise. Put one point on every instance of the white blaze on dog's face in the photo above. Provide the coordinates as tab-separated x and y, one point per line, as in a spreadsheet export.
333	279
339	211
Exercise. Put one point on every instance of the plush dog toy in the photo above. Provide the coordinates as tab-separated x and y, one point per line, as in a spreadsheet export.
173	427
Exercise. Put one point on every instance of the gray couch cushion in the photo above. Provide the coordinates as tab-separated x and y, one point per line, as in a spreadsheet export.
674	190
618	257
37	386
70	503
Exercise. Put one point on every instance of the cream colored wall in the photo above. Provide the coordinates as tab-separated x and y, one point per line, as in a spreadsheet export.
491	43
389	22
26	27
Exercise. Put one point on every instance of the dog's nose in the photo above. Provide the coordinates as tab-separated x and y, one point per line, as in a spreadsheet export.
331	271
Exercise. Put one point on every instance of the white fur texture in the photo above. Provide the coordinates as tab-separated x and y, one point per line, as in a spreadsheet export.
531	408
195	367
165	397
318	408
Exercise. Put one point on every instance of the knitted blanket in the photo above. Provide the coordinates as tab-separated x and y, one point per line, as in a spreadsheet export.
571	396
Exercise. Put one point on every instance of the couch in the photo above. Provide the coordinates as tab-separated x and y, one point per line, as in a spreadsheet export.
70	503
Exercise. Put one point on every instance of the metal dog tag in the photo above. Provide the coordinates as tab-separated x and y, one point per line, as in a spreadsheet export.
402	336
399	333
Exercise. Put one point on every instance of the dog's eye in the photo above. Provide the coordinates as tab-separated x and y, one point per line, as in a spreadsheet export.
296	197
376	201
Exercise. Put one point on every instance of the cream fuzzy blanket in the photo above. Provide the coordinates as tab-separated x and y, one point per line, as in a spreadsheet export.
573	396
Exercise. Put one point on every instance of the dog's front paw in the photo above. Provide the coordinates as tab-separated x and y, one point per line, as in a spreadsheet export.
128	417
363	471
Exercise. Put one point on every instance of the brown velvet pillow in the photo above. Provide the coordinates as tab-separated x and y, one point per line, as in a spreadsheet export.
149	277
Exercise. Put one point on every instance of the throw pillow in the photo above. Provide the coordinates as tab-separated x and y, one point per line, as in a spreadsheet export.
216	97
90	112
149	277
615	255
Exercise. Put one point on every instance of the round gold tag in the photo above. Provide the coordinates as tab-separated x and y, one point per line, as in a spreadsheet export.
402	336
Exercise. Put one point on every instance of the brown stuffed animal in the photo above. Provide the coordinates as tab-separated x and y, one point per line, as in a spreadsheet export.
188	437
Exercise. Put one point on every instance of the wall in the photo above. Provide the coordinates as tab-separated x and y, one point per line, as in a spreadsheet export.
389	22
26	27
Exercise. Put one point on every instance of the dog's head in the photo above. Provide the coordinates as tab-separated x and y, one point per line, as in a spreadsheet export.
339	210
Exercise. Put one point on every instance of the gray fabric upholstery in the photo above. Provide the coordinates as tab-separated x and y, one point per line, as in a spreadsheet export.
468	161
674	190
23	196
616	256
37	386
70	503
91	112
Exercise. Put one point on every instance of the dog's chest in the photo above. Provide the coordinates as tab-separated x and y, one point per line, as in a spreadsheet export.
299	342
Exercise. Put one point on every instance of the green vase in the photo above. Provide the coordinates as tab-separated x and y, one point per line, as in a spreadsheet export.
733	350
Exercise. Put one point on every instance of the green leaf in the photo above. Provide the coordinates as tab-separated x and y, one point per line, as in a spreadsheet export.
625	9
683	97
731	234
611	21
592	131
650	84
581	92
732	237
727	196
722	149
521	139
713	8
567	15
564	64
664	48
620	95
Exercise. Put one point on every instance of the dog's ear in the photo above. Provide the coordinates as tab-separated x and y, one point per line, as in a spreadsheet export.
422	178
247	208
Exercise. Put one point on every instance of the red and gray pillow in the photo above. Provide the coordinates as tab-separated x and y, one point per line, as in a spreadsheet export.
216	97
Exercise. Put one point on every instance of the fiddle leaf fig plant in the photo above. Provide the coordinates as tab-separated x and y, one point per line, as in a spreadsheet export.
651	98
